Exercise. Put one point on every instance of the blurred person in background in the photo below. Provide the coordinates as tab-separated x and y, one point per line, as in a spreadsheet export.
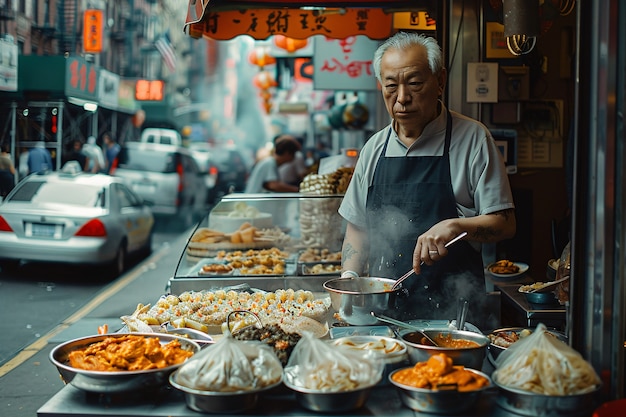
264	177
39	158
77	154
22	163
7	171
111	149
293	172
95	155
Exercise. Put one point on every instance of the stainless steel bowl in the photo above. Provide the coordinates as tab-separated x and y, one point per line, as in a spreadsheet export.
531	404
113	382
335	402
355	298
444	401
494	350
471	357
392	359
221	402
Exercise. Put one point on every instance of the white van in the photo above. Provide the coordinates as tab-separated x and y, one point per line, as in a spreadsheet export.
161	136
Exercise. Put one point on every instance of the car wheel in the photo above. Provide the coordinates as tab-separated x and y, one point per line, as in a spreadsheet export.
119	263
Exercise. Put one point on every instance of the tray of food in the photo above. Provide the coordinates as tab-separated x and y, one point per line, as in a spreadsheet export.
206	242
252	262
208	310
319	268
319	255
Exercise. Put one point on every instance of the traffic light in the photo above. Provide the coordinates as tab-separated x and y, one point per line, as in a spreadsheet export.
52	122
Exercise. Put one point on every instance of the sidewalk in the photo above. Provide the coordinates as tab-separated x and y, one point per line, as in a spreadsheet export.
33	382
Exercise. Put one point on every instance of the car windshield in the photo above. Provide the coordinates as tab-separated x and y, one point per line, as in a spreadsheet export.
51	192
146	160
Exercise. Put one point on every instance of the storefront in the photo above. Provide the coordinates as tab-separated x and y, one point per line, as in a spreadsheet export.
591	72
61	99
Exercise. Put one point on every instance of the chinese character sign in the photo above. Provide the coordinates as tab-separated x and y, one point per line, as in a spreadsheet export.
92	31
149	90
293	23
81	79
344	64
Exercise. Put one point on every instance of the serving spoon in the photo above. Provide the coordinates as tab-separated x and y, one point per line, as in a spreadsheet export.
404	325
547	285
410	271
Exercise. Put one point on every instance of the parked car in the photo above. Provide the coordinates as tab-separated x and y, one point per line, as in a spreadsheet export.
231	166
161	135
168	176
73	217
202	155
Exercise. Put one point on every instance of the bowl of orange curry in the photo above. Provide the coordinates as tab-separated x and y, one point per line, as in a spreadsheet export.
121	362
439	386
464	347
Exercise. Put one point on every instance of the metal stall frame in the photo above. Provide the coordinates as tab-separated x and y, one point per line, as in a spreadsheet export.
598	292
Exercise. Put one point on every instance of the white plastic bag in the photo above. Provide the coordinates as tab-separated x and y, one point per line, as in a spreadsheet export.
543	364
231	365
318	365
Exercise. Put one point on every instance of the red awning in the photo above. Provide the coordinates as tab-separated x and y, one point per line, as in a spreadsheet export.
260	19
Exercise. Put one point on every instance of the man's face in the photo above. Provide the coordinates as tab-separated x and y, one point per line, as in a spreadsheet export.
410	90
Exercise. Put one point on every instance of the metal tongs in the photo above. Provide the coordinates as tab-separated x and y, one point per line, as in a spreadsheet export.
410	271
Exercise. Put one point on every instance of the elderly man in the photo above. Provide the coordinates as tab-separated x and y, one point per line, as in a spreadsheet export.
424	179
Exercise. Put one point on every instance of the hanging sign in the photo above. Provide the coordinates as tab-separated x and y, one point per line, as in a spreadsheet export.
81	79
149	90
92	31
293	23
8	65
344	64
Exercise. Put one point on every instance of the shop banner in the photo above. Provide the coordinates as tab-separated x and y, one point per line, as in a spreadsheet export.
93	26
344	64
8	65
81	79
293	23
108	86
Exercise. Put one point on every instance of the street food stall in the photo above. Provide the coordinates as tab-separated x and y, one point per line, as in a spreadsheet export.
589	64
593	325
279	257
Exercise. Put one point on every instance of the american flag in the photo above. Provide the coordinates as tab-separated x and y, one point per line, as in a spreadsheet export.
166	49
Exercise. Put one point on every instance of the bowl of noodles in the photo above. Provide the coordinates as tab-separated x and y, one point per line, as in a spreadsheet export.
336	399
541	376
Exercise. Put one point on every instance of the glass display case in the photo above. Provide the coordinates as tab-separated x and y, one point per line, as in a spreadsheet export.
267	241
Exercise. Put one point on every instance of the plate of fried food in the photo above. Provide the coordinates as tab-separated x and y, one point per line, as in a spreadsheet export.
507	269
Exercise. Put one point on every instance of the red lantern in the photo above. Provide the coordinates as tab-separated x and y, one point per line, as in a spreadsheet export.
260	57
264	80
288	44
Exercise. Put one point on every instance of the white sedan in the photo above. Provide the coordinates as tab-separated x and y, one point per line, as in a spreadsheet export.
74	217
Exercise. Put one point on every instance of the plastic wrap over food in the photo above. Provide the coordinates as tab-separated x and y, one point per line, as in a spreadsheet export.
231	365
320	366
543	364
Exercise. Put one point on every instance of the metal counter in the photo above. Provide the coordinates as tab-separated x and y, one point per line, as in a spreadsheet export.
517	311
383	401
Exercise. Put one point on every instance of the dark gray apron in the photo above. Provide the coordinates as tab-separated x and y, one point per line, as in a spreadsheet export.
407	197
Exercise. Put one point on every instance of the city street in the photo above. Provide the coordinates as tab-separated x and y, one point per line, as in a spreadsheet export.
39	313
